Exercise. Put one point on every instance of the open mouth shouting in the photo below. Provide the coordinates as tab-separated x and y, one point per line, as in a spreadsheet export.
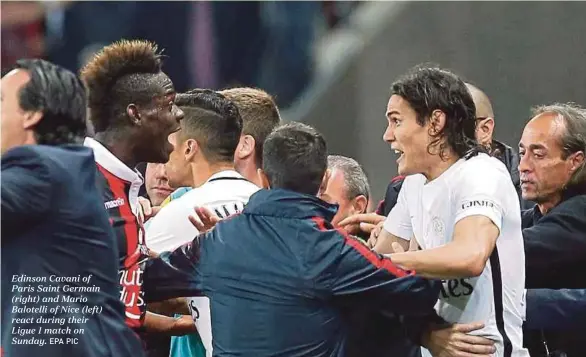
400	153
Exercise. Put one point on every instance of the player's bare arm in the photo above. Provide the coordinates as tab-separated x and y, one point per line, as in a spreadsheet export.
170	326
382	241
169	307
473	241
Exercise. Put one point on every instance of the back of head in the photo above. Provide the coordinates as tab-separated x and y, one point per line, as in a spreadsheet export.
295	158
121	73
481	102
572	140
428	89
213	121
354	176
259	112
61	98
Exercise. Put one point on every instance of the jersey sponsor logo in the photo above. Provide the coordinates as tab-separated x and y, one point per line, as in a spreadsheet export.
477	203
114	203
456	288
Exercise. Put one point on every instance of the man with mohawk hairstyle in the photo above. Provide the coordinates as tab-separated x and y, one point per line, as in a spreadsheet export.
132	109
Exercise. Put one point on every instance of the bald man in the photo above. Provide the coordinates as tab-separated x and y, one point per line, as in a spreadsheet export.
484	131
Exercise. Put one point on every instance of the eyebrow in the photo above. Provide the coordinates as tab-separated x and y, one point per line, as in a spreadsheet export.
533	147
388	114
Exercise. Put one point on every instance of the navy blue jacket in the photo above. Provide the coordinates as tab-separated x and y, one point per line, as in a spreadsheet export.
278	278
555	257
553	309
54	226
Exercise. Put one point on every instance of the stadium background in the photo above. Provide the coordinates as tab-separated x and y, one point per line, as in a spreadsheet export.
330	64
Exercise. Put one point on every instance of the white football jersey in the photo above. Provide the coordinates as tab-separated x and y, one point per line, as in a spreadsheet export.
225	193
429	211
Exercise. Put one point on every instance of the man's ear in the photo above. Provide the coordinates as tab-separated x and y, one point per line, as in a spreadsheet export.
31	119
484	130
577	161
133	113
360	204
245	147
324	182
191	148
437	121
264	180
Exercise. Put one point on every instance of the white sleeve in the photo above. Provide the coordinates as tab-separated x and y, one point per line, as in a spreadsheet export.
170	228
480	191
398	222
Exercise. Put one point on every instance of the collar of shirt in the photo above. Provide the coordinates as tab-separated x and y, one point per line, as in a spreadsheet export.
225	175
111	163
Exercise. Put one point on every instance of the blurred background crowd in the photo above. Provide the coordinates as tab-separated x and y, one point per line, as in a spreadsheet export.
209	44
329	63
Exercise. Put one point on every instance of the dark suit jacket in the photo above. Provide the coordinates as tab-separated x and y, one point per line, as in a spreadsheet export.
54	226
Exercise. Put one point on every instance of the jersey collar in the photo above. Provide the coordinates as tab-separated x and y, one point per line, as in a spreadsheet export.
111	163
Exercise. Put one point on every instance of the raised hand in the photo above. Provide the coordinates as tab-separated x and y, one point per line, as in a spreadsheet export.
204	219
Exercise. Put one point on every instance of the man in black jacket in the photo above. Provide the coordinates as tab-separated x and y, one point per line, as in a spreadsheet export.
57	244
553	175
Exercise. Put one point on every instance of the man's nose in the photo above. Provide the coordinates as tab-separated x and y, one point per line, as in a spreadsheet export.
524	164
180	114
389	135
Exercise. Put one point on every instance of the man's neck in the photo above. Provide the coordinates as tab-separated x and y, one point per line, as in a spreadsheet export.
439	166
545	207
248	169
202	171
119	148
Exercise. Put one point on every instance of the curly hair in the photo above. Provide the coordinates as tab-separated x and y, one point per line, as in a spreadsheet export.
120	74
428	88
60	96
213	121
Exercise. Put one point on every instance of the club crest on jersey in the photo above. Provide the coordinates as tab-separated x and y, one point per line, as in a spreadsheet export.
436	228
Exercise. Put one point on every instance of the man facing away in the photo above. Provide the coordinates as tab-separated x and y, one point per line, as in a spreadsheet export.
277	274
53	221
458	204
203	159
260	116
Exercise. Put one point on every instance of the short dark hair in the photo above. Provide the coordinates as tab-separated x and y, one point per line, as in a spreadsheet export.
429	88
295	158
213	121
260	114
120	74
573	138
60	95
354	176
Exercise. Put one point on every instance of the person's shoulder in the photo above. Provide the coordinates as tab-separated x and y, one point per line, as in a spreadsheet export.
413	182
575	204
31	157
482	167
27	152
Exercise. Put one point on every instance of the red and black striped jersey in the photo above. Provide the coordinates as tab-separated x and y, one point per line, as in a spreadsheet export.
119	186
